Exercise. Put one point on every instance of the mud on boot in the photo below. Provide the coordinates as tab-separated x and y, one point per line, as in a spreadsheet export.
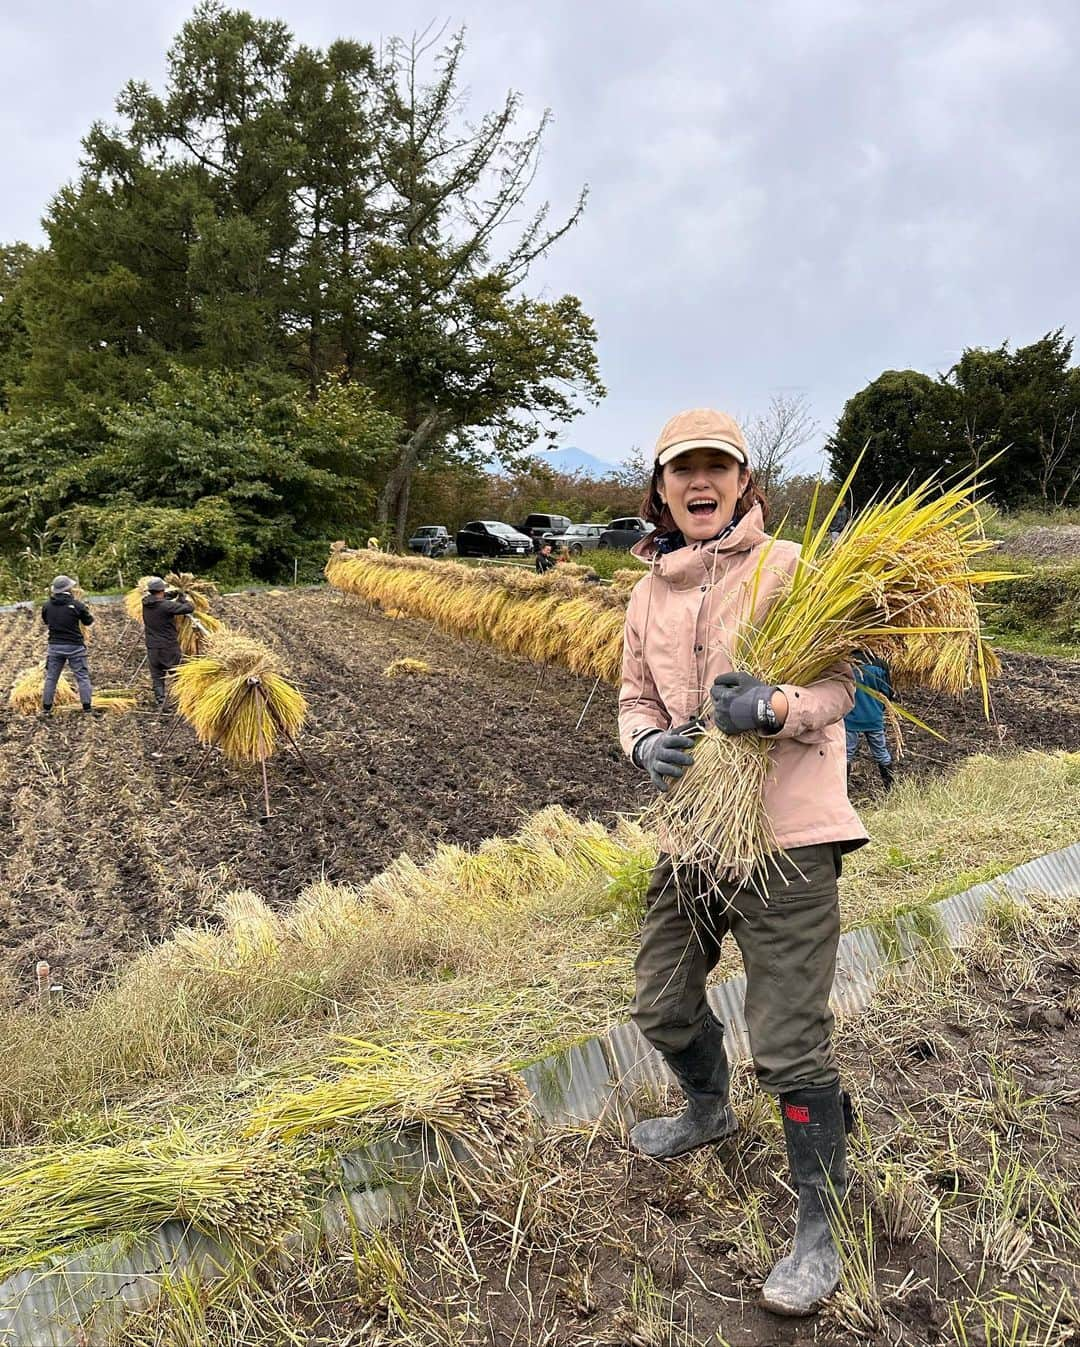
815	1131
702	1071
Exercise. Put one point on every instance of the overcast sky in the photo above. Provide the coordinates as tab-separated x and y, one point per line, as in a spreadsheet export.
786	195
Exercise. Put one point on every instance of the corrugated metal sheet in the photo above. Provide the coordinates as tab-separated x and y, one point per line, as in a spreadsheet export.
86	1296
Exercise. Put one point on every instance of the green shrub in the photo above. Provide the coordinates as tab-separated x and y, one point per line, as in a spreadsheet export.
1044	603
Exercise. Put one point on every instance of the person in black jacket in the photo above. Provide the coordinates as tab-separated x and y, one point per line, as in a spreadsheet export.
65	616
162	643
544	560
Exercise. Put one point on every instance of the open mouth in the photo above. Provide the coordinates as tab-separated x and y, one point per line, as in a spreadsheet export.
703	506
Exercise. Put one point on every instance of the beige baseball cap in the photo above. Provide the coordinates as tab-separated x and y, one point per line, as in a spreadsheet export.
701	428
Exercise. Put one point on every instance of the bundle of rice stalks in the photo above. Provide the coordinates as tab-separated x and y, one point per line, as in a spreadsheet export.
559	617
29	684
54	1201
900	585
191	631
236	697
406	667
483	1105
26	693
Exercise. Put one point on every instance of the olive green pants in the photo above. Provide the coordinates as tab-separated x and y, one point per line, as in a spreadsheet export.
788	944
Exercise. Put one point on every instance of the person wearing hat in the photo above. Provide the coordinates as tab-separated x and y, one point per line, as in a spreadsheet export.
159	613
702	588
65	616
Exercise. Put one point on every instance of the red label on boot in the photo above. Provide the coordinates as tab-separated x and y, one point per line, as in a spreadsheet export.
797	1113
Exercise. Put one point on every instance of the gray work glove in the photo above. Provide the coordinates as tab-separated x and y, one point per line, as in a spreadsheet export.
742	704
663	754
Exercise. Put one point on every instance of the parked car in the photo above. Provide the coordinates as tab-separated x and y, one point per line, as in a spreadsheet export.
536	525
490	538
578	538
624	533
431	540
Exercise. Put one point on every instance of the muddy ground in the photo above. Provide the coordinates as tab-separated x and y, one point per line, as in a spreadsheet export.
98	856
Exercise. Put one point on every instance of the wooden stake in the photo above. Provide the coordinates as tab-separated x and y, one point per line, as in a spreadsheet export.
44	984
588	702
196	773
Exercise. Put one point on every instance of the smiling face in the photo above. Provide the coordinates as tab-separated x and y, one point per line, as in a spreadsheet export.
701	488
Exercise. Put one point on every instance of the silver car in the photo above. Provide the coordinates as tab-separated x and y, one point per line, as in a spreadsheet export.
577	538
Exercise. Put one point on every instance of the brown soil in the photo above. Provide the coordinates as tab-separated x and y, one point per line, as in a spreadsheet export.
1059	543
99	857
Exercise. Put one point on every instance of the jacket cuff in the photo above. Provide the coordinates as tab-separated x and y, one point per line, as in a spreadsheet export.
798	712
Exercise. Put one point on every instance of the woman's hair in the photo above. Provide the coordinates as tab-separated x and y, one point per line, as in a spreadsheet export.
654	511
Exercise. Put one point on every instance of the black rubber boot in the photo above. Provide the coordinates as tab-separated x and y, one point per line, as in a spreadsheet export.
886	773
702	1071
814	1129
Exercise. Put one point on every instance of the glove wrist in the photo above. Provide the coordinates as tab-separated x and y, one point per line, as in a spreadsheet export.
639	743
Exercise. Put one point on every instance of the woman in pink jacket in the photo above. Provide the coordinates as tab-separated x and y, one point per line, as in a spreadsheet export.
680	624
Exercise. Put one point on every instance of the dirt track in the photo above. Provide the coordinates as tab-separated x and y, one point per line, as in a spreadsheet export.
97	857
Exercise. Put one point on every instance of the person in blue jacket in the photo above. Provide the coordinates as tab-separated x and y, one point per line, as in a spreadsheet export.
867	717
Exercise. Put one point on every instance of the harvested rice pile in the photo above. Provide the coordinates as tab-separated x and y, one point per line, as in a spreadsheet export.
555	618
236	697
26	694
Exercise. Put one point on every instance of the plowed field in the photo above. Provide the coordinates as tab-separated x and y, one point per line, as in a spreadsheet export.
98	856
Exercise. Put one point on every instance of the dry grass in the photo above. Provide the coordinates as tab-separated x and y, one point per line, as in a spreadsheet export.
959	1229
500	952
504	953
407	668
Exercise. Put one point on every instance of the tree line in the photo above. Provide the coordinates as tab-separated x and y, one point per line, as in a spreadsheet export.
287	298
1018	406
315	258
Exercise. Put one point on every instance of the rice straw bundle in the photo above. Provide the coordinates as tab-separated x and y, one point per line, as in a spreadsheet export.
483	1105
54	1200
406	666
557	618
236	697
26	691
900	585
29	685
200	592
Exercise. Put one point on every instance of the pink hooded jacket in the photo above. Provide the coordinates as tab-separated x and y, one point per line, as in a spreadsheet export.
680	622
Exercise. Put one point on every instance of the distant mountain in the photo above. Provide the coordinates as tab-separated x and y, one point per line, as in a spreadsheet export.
572	459
569	460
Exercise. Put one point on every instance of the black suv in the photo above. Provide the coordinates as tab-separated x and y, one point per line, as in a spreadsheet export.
624	533
490	538
536	525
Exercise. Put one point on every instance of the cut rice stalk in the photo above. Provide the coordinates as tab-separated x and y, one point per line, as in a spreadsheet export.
483	1105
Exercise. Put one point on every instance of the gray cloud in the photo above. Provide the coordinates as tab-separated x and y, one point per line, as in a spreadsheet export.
785	194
